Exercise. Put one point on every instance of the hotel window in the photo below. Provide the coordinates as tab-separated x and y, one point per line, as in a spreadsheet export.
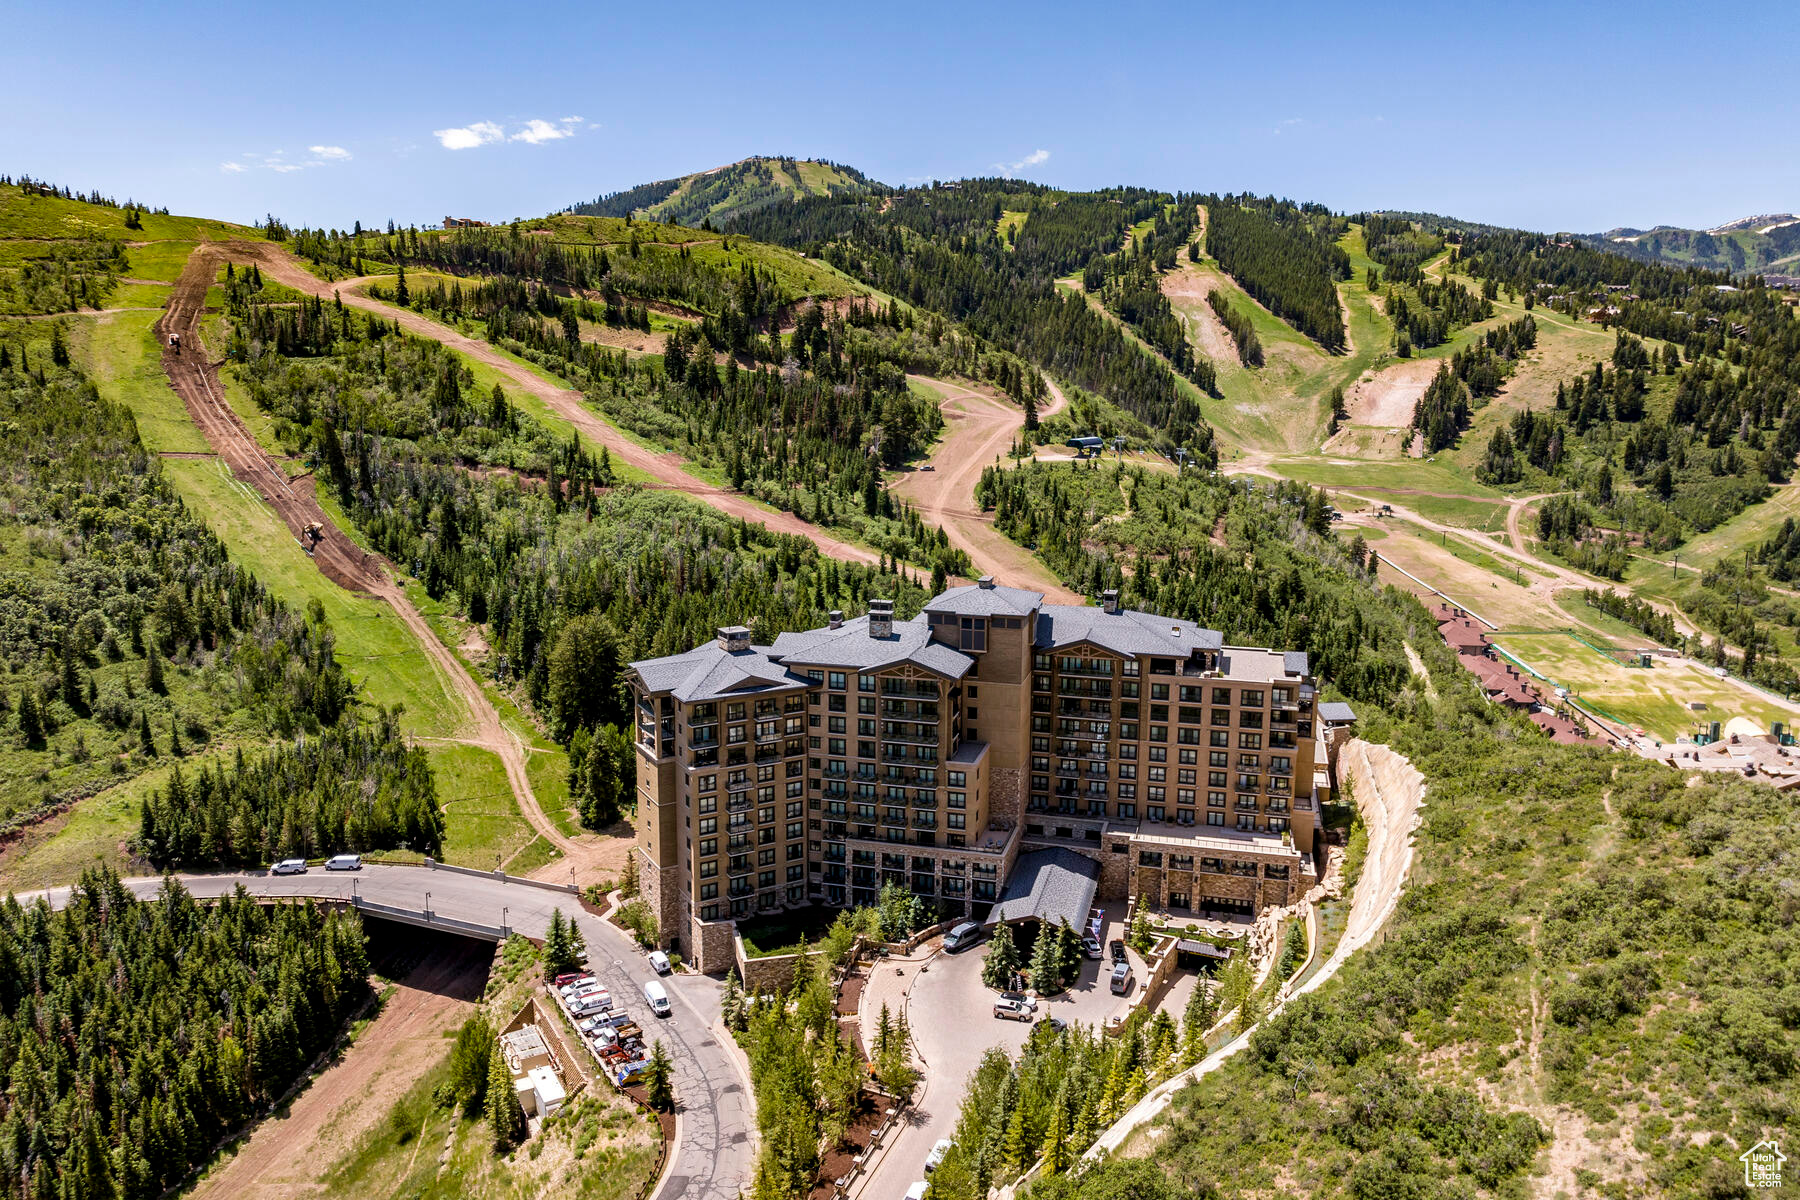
1158	774
1246	821
1159	691
1186	775
1220	737
1221	695
1126	751
836	704
1250	741
865	683
1159	733
1215	818
1189	757
709	891
1127	812
709	869
1159	754
709	824
1128	771
1184	795
1215	779
1154	812
1150	858
1251	698
834	746
1277	824
1155	794
709	782
835	681
956	779
956	820
1128	791
957	799
708	846
1215	799
1221	716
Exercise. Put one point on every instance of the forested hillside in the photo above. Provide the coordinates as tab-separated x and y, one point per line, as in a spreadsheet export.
1286	256
566	576
1770	245
940	248
134	1034
126	633
714	197
1127	283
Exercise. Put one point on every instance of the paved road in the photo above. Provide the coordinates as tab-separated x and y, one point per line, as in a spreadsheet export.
716	1118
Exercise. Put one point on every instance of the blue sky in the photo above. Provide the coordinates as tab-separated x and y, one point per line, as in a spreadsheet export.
1549	116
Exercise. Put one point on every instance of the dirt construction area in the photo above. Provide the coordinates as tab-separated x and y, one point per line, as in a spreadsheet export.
283	1158
1387	398
980	427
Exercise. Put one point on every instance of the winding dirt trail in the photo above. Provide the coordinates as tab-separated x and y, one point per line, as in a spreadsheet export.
981	427
339	559
567	403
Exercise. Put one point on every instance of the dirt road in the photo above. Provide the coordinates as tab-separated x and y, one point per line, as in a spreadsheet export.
566	402
196	381
981	427
287	1153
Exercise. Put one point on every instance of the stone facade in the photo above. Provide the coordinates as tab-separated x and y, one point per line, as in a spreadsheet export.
715	945
1006	792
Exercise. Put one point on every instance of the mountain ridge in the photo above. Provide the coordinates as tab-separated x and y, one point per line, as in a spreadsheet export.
720	193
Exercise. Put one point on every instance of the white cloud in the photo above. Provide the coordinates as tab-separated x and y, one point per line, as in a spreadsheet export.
232	168
467	137
534	132
285	167
331	153
1030	160
537	132
1289	123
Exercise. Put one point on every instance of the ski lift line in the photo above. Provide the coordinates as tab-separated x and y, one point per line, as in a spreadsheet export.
1465	608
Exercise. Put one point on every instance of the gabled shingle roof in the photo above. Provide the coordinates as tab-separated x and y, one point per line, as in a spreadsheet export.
978	601
708	672
850	648
1051	885
1126	632
1335	712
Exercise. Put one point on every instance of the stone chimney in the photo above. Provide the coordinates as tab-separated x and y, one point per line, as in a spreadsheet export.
881	618
986	583
1109	601
837	618
733	638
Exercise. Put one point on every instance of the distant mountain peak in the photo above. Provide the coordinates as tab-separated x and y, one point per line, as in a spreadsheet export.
1758	224
720	193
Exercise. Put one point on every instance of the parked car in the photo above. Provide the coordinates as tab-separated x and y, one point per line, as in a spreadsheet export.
568	977
1118	951
1012	1010
1090	946
588	1025
917	1190
344	862
576	984
657	998
1019	998
927	467
591	1006
1121	978
289	866
1055	1023
966	934
936	1158
659	962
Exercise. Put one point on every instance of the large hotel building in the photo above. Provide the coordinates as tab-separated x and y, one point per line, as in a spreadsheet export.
940	752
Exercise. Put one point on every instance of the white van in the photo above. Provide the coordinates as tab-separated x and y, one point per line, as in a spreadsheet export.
659	962
966	934
289	866
657	998
344	862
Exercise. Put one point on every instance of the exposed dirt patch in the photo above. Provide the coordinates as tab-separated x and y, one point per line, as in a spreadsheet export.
1189	284
282	1158
1388	397
634	341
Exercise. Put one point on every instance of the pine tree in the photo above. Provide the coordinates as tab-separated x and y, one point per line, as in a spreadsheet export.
559	947
659	1085
1201	1012
629	882
1045	977
31	716
506	1120
144	737
1058	1152
1002	958
153	671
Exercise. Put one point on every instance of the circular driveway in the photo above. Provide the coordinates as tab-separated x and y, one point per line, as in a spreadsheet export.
953	1024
